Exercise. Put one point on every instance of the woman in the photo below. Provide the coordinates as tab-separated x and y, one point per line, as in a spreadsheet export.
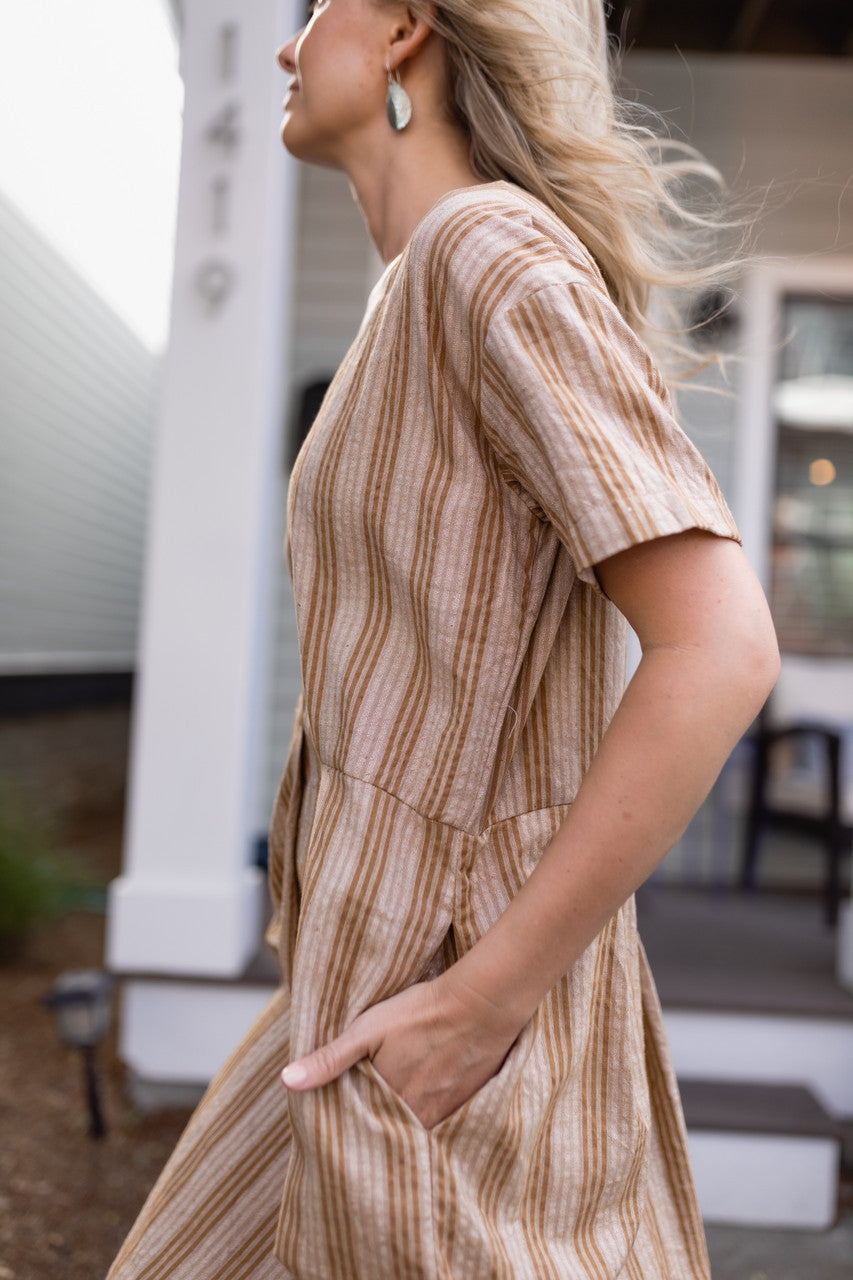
478	1084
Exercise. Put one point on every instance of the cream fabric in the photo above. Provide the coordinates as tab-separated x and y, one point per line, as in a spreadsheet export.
495	431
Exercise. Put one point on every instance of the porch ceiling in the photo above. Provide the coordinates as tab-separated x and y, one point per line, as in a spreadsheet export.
808	28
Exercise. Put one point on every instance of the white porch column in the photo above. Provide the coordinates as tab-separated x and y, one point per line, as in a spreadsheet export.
189	899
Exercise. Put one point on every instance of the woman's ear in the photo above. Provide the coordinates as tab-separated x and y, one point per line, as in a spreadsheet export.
409	35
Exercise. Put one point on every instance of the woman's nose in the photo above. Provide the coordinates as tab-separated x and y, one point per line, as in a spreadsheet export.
286	56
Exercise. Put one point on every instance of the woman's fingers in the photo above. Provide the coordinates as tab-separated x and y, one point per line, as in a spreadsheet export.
434	1045
328	1062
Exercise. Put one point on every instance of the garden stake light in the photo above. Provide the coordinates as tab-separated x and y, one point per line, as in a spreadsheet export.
81	1002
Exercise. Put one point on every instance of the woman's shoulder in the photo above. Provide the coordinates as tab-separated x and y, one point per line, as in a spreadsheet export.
497	228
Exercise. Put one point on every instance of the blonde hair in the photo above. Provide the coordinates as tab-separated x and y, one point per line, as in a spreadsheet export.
533	86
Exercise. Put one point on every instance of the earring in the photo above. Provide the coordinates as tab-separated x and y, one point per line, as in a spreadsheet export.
398	104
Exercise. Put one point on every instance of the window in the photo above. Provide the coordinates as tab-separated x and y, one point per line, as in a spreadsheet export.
811	580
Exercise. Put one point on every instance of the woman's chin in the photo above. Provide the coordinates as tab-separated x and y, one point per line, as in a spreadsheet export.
295	139
289	136
303	148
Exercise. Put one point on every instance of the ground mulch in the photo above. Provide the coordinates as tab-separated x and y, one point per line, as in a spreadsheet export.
66	1200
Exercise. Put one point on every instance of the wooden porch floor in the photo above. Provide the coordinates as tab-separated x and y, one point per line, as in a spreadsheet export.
764	952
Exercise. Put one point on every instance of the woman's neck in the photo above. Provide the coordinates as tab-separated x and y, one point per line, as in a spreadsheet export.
396	189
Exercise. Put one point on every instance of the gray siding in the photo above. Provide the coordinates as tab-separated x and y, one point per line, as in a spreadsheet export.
77	403
335	265
779	128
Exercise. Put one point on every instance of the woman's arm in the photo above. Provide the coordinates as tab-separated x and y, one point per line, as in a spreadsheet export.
709	660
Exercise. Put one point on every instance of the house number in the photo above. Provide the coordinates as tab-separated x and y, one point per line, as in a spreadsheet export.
224	129
214	281
216	277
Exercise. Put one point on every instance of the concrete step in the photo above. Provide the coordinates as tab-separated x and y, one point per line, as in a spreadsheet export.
759	1048
763	1155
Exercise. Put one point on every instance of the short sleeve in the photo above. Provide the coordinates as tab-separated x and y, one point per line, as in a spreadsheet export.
583	426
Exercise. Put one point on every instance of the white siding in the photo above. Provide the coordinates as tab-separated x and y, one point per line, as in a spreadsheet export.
77	404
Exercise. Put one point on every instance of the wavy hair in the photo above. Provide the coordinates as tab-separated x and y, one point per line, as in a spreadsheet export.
534	87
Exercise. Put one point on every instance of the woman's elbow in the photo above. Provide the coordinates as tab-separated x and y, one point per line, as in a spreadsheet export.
750	649
756	660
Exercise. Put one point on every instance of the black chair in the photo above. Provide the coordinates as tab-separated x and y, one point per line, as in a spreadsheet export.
823	821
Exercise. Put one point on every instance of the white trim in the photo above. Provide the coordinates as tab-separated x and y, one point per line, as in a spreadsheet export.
765	1180
749	1047
189	899
191	927
181	1033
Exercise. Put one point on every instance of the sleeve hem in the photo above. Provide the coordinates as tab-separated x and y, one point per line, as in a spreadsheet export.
717	526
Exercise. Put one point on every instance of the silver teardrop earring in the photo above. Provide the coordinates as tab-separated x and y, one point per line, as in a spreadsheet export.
397	103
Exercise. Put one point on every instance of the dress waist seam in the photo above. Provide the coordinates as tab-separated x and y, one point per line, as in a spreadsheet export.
468	833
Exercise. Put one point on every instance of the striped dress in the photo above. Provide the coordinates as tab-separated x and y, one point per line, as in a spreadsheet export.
495	431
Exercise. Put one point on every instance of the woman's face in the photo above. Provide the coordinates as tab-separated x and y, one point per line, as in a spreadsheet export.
337	90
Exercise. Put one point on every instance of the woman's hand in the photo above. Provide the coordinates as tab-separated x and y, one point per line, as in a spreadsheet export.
435	1044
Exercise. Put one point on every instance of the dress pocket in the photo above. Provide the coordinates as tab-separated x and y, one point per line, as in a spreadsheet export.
391	1100
485	1110
490	1100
